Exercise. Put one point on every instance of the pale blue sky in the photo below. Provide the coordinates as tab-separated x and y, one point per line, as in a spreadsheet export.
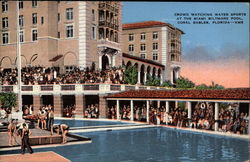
217	39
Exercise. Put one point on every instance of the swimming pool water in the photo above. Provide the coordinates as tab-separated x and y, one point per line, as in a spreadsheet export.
84	123
155	144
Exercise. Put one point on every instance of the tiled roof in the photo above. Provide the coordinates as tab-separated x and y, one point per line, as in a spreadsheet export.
143	24
146	24
143	60
225	94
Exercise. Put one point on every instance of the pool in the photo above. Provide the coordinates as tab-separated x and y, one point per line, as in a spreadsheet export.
155	144
85	123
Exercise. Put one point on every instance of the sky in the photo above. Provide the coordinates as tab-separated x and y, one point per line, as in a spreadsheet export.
210	52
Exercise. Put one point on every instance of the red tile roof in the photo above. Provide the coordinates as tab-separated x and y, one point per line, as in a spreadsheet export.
143	24
225	94
147	24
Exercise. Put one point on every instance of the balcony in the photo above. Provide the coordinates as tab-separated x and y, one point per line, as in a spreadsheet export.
74	88
108	43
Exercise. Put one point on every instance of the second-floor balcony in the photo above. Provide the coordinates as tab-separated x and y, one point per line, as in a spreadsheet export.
88	88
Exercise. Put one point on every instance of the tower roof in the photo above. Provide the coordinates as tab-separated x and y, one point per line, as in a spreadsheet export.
148	24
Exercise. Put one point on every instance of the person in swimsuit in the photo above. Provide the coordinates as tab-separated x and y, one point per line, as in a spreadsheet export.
11	131
65	129
25	139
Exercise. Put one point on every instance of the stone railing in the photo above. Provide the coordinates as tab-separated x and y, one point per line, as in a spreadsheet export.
75	88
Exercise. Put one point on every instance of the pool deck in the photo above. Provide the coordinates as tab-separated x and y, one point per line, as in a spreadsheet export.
43	137
42	156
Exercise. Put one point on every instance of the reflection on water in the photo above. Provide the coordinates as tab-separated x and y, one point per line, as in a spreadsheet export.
155	144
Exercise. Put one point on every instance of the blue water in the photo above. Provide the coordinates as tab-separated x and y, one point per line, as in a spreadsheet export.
155	144
84	123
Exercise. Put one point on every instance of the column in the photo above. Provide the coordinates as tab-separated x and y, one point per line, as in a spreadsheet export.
147	106
176	104
145	77
216	116
158	104
189	105
167	106
161	78
36	103
117	110
80	105
102	107
132	110
189	110
139	77
57	105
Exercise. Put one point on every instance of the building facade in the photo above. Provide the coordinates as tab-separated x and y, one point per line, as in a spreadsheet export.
61	33
157	41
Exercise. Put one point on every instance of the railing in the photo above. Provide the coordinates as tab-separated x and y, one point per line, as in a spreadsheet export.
7	88
47	88
27	88
91	87
67	87
115	87
75	88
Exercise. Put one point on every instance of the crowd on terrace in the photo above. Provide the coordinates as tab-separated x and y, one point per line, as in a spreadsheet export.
202	117
37	75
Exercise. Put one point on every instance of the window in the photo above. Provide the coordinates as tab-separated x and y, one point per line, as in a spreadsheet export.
21	22
58	35
21	36
69	31
172	57
130	37
155	46
34	18
93	32
131	48
34	34
155	56
34	3
143	55
155	35
143	36
5	22
143	47
42	20
69	13
93	15
20	4
58	17
4	5
5	38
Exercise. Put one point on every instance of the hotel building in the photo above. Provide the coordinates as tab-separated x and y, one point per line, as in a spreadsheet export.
156	41
61	33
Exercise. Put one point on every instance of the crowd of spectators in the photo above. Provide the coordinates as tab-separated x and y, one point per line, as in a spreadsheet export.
69	111
37	75
91	111
202	117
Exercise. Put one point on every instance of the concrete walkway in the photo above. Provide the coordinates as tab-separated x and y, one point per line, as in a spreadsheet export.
42	156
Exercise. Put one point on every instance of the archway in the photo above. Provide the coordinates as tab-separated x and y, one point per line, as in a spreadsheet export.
23	61
6	62
154	71
148	72
159	73
128	64
105	62
70	59
142	74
